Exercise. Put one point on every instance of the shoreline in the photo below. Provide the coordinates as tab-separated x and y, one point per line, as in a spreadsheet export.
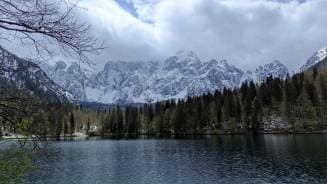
179	135
22	137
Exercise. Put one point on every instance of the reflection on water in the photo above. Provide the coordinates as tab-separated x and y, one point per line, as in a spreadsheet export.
215	159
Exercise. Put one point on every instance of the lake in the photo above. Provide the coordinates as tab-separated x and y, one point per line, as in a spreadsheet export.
212	159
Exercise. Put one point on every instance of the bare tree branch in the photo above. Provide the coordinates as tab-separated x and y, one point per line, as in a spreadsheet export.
47	22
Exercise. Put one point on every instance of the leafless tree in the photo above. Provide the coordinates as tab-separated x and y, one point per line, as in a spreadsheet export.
45	23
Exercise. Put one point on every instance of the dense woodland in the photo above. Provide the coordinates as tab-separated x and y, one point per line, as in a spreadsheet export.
298	103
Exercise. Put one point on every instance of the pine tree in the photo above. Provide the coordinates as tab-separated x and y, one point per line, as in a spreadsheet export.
323	87
265	95
323	94
289	99
314	73
238	110
306	112
226	107
166	118
290	92
72	124
120	120
256	114
311	91
244	90
144	120
251	91
105	124
276	88
247	107
213	113
65	128
219	114
88	126
297	81
179	118
58	128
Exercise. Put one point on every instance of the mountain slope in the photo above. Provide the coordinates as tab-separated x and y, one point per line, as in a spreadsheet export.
29	76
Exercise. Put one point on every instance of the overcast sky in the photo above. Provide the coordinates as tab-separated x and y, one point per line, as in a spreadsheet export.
245	32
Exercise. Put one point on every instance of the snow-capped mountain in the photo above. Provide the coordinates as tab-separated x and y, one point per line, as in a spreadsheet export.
121	82
317	58
29	76
181	75
275	69
70	78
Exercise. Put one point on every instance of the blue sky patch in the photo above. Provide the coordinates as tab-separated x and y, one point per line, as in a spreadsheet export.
128	6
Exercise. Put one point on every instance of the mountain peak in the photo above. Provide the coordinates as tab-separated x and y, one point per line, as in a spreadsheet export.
318	56
187	56
276	62
322	53
224	62
274	69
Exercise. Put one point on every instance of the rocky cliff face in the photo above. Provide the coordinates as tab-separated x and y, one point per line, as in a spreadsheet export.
181	75
69	78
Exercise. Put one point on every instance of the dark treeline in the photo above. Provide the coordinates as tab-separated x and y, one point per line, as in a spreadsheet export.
296	104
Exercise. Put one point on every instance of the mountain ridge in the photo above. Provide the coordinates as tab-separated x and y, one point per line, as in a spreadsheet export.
121	82
180	75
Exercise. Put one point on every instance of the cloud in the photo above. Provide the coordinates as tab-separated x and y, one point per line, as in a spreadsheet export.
245	32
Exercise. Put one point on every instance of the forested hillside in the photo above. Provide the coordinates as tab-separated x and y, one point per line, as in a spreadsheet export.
296	104
24	113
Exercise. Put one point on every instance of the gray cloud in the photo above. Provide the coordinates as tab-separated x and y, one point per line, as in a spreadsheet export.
245	32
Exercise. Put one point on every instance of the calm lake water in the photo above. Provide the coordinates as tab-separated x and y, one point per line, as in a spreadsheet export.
215	159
